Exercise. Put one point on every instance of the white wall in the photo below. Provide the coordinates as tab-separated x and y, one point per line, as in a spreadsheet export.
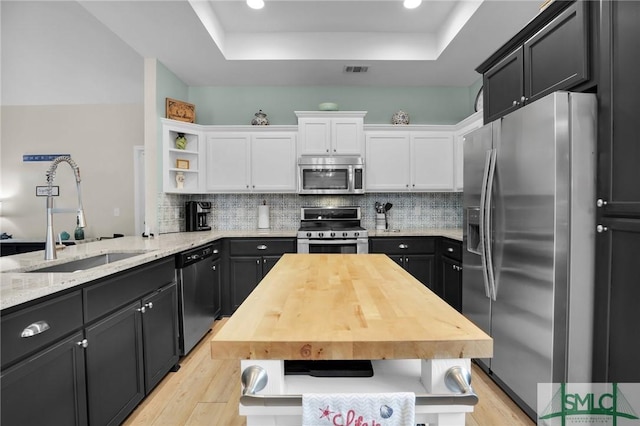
69	86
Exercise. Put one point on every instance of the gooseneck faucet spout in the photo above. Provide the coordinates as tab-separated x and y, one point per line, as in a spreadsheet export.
50	245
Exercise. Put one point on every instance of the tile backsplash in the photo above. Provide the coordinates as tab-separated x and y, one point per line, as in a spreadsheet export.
240	211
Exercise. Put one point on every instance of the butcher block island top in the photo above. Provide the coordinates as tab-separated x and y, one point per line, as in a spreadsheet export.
346	306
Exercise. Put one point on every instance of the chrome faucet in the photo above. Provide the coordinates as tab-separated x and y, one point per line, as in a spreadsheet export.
50	244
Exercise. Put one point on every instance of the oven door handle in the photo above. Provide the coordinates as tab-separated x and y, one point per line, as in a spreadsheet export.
329	242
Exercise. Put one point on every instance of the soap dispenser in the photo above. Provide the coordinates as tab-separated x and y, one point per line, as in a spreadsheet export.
79	232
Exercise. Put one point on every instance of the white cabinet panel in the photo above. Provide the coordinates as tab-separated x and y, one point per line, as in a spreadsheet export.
330	132
228	162
468	125
273	162
432	161
387	161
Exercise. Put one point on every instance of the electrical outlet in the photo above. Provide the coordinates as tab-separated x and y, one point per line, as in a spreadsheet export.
116	211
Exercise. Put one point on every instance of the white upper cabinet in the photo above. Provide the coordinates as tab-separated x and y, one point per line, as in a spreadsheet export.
273	162
330	132
228	162
257	161
387	161
401	160
431	161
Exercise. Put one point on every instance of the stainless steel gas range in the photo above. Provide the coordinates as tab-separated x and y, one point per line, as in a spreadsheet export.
332	230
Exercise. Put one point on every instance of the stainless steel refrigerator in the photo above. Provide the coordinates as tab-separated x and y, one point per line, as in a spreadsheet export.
528	235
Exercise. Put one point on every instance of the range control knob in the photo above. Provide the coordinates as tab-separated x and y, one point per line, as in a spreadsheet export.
308	234
345	234
333	234
356	234
320	234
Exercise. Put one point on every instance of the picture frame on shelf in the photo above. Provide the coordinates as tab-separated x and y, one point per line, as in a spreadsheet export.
182	164
180	110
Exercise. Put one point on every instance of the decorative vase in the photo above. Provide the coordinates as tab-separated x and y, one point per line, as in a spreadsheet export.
260	119
400	117
181	141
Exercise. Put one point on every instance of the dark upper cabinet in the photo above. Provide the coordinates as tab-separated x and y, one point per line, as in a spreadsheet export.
619	101
503	86
557	57
554	52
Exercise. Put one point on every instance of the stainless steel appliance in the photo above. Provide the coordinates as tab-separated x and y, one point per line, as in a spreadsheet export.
196	215
330	175
528	240
331	230
196	294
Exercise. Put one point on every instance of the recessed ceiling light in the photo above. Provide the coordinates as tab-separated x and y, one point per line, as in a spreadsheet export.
255	4
412	4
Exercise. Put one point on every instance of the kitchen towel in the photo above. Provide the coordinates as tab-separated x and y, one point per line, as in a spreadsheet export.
263	217
372	409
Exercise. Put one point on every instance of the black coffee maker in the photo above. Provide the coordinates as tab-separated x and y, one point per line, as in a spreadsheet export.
196	215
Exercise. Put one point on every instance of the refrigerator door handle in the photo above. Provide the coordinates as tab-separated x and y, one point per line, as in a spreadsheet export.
483	234
488	206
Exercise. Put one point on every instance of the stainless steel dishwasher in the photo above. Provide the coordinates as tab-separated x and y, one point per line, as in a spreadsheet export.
196	287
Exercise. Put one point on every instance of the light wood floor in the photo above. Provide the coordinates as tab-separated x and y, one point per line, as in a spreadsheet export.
206	392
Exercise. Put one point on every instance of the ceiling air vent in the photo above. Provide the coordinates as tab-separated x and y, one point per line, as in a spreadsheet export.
356	68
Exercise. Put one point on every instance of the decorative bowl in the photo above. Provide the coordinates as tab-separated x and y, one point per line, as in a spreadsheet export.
328	106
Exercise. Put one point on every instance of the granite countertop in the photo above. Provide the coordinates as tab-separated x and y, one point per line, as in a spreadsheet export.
18	286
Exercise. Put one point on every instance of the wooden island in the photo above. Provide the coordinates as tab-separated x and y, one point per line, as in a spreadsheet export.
349	307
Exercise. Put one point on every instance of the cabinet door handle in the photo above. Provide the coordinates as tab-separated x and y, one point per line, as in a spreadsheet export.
34	329
524	99
600	229
149	305
601	202
262	247
83	343
258	262
406	259
213	267
450	249
142	310
264	260
403	246
216	251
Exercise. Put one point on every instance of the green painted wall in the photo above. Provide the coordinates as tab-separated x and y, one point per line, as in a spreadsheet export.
237	105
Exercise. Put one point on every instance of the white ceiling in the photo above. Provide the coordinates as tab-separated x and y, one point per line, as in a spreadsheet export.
308	42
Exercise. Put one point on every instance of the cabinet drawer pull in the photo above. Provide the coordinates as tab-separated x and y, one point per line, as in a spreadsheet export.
35	328
83	343
216	251
403	246
262	247
450	249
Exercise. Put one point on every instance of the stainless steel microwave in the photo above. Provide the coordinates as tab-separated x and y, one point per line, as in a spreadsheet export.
330	175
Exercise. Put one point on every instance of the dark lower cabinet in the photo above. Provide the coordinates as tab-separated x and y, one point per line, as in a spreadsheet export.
617	339
451	282
450	272
421	266
250	259
216	266
160	334
415	254
115	366
47	388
